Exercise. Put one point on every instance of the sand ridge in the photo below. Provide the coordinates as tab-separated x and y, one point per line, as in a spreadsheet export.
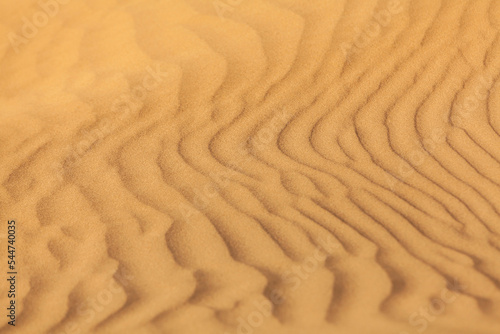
251	166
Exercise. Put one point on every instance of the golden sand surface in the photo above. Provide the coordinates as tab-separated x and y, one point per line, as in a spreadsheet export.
250	166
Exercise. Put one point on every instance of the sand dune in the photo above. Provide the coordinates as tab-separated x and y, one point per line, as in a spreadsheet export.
251	166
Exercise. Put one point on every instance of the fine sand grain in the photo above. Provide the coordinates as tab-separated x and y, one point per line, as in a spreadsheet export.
251	166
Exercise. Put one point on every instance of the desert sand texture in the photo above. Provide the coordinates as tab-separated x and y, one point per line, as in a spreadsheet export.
250	166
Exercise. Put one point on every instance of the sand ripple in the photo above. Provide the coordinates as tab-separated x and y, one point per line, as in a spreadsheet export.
252	166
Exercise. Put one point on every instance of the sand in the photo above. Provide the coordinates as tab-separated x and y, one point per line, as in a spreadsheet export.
250	166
